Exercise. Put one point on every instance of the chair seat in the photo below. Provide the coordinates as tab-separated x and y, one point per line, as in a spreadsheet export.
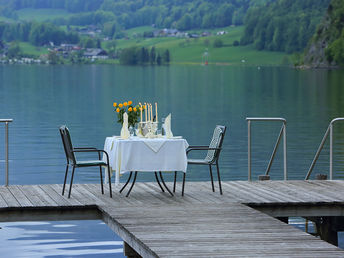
198	161
86	163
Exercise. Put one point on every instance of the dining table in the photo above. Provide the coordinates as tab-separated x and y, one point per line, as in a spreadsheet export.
140	154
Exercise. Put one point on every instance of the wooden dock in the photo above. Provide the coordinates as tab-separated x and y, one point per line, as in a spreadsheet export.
201	224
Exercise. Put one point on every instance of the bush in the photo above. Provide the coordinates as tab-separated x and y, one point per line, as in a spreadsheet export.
236	43
218	43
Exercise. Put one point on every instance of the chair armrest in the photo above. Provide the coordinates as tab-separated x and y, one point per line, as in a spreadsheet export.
85	148
92	150
200	148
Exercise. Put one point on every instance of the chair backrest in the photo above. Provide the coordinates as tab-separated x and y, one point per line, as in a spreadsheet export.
216	142
67	144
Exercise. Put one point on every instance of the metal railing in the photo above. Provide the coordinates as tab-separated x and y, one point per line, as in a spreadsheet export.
328	131
6	121
283	132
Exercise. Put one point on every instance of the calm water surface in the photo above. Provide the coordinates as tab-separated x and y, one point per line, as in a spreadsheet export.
41	98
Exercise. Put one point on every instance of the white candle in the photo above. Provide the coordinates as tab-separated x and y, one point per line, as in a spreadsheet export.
141	111
151	112
156	112
146	111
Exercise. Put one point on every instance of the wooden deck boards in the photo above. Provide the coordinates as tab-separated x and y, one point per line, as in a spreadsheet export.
200	224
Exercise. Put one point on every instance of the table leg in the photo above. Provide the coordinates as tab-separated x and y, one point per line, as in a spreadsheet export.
132	184
126	182
157	179
163	182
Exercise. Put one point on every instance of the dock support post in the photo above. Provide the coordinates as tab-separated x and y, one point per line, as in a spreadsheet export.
130	252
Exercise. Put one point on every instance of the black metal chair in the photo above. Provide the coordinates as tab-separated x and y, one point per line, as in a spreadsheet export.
212	158
72	161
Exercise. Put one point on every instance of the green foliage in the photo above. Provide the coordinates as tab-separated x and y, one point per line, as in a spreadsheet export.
128	56
218	43
14	50
141	56
184	15
332	29
283	25
36	33
53	58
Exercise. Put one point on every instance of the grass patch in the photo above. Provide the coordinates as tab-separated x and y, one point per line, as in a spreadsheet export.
138	31
29	49
30	14
191	50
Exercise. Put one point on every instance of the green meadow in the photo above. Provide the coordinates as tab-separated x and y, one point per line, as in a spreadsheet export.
195	50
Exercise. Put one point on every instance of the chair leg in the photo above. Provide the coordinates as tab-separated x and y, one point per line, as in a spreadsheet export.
65	179
211	176
71	182
126	182
157	179
163	182
218	177
174	183
132	184
109	178
101	179
183	184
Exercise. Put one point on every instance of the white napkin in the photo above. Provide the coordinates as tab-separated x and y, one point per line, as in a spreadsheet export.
154	145
125	131
167	126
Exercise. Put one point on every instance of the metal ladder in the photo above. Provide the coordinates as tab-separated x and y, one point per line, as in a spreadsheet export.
6	121
282	132
328	131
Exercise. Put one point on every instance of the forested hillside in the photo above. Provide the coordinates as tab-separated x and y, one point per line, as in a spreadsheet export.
179	14
327	46
283	25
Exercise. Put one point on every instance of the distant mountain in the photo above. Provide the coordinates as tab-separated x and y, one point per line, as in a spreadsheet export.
326	48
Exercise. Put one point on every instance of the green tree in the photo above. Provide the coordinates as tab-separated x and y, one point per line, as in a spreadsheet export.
158	59
14	50
152	55
128	56
218	43
166	56
53	58
185	22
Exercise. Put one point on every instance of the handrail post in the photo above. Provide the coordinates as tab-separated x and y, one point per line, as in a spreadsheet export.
249	150
331	151
285	150
328	131
6	155
282	131
6	121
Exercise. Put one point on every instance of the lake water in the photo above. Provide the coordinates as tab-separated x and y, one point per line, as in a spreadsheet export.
41	98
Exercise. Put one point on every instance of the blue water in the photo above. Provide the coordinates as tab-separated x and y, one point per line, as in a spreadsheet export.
41	98
89	239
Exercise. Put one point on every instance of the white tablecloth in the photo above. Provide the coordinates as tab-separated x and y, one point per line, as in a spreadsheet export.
142	154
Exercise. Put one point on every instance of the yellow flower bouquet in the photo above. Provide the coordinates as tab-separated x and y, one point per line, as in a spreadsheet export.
132	111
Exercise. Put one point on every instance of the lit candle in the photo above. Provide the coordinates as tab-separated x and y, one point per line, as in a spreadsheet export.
146	110
156	112
141	110
151	113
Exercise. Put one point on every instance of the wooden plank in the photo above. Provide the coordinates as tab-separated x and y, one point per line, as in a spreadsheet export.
21	198
8	197
200	224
